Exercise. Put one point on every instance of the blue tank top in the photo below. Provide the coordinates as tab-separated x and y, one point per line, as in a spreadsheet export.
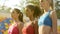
45	19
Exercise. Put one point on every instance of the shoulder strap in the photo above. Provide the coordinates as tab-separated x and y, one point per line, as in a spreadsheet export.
49	12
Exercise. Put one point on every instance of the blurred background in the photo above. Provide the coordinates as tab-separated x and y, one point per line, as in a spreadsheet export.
6	5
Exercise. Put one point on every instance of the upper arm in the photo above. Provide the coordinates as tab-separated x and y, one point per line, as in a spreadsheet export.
54	17
20	26
54	21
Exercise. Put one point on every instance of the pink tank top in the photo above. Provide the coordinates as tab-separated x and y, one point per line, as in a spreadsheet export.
28	30
13	29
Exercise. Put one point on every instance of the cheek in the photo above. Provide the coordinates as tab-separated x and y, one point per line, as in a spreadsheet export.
42	4
28	14
14	16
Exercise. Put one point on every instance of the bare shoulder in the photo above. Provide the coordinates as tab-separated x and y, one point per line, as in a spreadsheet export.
53	16
53	13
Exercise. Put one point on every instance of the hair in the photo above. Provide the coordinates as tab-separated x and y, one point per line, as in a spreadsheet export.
20	17
36	9
51	3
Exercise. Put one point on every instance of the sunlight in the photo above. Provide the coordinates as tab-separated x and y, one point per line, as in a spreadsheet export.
2	2
11	3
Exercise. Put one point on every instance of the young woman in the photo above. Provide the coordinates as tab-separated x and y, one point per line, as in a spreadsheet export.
31	27
48	20
16	27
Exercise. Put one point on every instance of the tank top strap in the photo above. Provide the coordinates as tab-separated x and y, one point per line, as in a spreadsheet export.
49	12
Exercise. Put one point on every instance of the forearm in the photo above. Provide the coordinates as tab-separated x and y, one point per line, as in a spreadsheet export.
54	27
54	22
55	30
36	32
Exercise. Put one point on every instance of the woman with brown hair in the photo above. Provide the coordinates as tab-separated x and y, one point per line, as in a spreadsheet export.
33	12
16	27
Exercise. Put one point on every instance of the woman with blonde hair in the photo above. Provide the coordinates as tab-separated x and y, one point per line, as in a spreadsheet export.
48	20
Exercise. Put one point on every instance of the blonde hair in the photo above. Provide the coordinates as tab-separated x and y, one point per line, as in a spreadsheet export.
50	3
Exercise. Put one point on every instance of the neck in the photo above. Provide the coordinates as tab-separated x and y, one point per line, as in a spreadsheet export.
16	20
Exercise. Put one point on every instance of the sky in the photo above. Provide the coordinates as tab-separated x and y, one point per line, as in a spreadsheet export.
11	3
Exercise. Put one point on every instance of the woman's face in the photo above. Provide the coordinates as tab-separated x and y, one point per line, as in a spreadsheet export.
44	4
14	15
29	12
